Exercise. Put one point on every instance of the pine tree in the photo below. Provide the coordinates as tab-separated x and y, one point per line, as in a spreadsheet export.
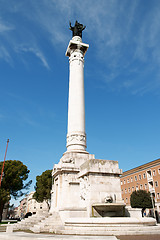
43	187
13	182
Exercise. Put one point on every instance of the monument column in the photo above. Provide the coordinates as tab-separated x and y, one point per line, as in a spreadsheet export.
76	136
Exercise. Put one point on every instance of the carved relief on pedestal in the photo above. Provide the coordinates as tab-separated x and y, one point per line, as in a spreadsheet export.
84	188
76	138
68	160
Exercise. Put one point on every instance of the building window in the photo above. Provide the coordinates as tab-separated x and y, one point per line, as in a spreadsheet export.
125	190
135	178
154	172
126	200
132	189
139	177
144	175
159	170
158	196
131	179
145	186
124	181
156	184
121	183
128	180
136	188
141	186
129	190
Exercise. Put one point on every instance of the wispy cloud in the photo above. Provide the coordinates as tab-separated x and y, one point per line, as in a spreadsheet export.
36	52
4	27
5	55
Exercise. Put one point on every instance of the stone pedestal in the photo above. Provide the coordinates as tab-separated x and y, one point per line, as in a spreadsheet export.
80	181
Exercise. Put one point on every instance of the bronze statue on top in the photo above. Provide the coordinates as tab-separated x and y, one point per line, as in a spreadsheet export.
77	29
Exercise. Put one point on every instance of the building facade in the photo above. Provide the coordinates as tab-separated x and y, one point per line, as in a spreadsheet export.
23	207
144	177
35	207
29	204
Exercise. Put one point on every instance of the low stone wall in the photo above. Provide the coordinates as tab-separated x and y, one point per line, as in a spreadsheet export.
133	212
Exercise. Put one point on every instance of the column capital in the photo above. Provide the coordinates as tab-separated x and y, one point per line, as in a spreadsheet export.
76	45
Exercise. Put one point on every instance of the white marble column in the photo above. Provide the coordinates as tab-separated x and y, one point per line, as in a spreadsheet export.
76	136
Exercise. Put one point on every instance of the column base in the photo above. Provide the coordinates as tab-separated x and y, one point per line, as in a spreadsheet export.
76	142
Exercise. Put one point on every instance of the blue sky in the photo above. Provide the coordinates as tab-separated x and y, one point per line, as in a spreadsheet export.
122	80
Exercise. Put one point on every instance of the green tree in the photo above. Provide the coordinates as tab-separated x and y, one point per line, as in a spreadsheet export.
13	182
43	187
141	199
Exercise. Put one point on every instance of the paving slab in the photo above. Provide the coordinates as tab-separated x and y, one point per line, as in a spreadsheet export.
32	236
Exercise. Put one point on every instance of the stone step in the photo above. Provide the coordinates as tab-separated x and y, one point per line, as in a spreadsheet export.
29	222
3	228
51	223
112	228
109	232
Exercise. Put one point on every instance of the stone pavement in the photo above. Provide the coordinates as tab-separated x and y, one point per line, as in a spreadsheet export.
139	237
32	236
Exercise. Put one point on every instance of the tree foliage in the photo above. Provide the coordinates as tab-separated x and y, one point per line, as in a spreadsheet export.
141	199
43	187
13	181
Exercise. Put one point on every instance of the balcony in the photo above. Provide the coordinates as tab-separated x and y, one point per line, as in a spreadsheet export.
152	190
149	176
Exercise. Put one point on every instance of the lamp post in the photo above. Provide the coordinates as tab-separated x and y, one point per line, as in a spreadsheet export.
154	215
4	162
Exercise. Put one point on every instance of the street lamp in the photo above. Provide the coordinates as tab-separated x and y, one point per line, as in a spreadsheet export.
4	162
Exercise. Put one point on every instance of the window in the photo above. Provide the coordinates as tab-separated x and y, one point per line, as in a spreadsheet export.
129	190
159	170
126	200
124	181
139	177
158	196
154	172
145	186
136	188
125	190
141	186
144	175
132	189
156	184
131	179
128	180
135	178
121	183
